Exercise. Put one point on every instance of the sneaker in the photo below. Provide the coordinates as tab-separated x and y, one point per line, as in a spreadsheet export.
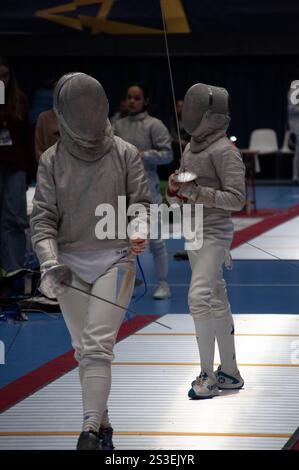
89	440
181	256
105	436
162	292
228	382
203	387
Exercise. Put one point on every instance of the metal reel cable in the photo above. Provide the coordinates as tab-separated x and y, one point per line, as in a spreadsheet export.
171	79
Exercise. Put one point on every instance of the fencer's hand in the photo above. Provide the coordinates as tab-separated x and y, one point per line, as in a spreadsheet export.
138	245
55	278
141	154
173	186
188	191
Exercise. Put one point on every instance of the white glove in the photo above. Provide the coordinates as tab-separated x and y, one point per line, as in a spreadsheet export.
55	279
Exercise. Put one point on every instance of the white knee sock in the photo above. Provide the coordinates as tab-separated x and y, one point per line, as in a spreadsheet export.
205	336
96	381
105	421
224	331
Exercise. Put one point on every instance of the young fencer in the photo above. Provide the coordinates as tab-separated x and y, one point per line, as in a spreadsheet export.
88	167
214	177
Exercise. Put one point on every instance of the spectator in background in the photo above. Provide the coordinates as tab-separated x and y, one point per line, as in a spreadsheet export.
46	129
43	99
152	139
166	170
46	132
16	162
122	111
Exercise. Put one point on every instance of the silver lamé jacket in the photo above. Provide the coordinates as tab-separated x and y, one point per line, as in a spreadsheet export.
69	190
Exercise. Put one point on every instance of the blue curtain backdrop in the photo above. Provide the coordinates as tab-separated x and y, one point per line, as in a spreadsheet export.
258	85
257	81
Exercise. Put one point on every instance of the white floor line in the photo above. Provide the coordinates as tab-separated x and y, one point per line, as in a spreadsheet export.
286	246
232	284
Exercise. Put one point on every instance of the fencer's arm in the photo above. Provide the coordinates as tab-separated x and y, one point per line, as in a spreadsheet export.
138	192
44	217
162	153
230	170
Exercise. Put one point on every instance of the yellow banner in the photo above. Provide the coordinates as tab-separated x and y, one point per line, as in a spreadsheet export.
175	17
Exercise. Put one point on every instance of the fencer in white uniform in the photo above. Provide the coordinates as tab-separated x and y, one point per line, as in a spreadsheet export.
219	185
88	167
153	140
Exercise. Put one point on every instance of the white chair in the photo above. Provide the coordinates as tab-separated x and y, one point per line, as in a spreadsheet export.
262	141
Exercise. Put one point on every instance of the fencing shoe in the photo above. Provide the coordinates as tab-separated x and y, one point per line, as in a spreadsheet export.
203	387
162	292
227	381
105	436
89	440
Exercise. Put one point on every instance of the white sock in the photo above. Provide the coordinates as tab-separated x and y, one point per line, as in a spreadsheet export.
105	421
96	381
224	331
205	336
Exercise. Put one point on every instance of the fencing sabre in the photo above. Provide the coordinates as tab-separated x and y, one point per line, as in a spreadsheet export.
181	176
57	277
110	302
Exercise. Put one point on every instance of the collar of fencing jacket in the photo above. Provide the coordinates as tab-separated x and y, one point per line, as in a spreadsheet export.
139	116
205	115
82	107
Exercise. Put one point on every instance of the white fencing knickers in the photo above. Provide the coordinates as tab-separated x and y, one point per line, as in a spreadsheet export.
93	325
208	301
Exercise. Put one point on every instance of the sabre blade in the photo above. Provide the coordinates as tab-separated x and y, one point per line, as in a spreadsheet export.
110	302
171	79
